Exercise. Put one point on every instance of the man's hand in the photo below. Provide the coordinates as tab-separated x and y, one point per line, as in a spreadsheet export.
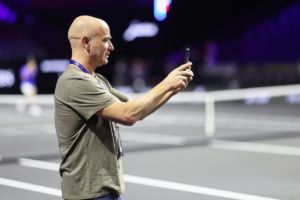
179	78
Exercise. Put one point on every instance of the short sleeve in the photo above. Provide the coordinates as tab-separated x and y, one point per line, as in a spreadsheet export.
87	97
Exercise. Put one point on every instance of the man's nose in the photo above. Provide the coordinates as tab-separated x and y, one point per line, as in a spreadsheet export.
111	46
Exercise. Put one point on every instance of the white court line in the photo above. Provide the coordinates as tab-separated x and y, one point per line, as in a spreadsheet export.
38	164
255	147
30	187
153	138
158	183
192	188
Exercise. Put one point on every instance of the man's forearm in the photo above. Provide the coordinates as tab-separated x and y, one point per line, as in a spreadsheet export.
128	113
162	101
149	102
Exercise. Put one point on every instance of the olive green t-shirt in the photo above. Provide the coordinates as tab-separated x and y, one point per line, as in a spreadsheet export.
88	144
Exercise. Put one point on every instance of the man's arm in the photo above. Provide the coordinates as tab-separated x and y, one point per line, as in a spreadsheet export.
128	113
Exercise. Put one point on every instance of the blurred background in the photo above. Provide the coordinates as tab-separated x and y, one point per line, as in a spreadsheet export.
238	144
234	44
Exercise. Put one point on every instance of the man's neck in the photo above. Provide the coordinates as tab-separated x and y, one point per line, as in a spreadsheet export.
87	65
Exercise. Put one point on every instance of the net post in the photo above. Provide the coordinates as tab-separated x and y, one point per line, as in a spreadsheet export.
209	125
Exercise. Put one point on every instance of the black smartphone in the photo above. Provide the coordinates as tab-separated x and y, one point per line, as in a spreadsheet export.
186	55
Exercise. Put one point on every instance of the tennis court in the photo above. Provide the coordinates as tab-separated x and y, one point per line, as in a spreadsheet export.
254	154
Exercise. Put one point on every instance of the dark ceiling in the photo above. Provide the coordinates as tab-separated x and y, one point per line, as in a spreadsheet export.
188	22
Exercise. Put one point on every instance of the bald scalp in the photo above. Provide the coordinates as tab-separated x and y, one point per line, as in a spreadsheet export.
85	26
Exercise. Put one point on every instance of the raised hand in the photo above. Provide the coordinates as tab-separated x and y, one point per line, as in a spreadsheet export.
179	78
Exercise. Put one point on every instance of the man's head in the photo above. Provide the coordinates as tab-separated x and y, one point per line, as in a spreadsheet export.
90	40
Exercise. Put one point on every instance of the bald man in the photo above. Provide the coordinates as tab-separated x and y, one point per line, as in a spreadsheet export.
88	109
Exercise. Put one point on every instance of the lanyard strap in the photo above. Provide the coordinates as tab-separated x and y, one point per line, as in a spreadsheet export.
74	62
116	127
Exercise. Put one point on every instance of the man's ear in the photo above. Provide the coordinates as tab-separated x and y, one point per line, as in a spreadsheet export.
86	43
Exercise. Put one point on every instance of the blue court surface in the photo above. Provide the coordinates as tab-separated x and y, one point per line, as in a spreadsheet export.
254	155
